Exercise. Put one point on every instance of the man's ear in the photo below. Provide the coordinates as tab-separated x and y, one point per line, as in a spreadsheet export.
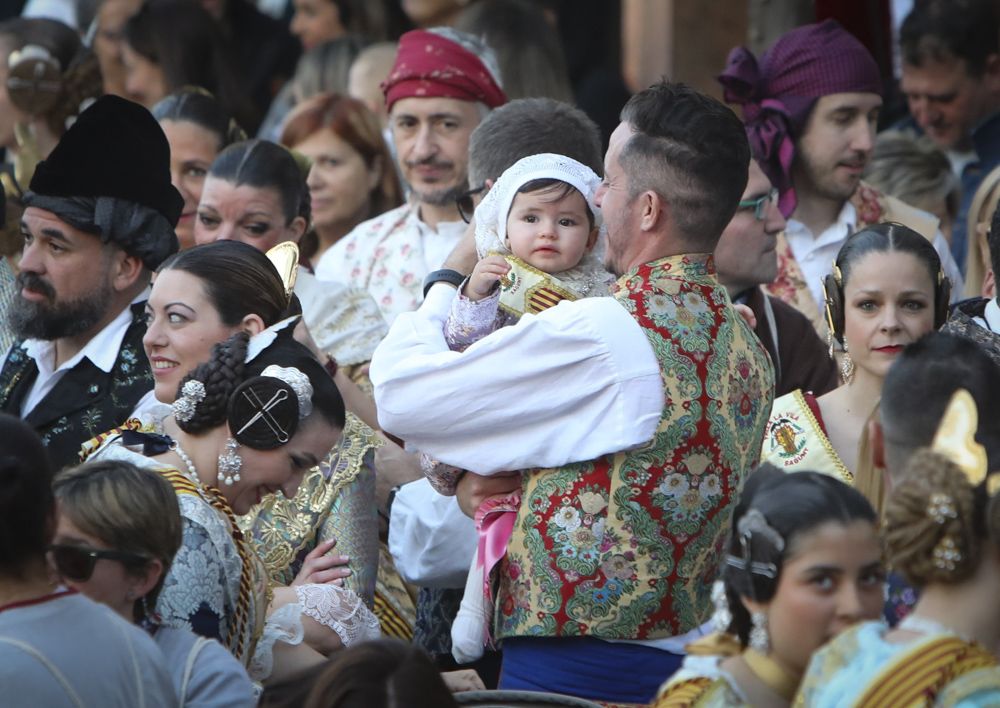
989	284
652	209
991	72
126	271
147	578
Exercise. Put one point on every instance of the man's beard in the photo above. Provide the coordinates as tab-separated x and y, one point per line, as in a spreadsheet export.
442	197
50	319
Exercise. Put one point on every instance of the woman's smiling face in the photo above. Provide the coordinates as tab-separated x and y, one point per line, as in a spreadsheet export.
182	326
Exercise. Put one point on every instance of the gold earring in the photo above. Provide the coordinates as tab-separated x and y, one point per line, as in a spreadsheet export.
847	365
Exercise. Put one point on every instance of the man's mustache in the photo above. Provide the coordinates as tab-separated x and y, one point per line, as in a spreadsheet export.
34	282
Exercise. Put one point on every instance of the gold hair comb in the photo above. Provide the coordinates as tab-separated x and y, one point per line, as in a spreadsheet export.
956	439
285	257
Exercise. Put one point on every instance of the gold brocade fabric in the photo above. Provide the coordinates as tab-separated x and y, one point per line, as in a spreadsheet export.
395	606
284	531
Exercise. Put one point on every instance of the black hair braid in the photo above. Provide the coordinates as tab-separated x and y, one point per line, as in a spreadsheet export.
221	374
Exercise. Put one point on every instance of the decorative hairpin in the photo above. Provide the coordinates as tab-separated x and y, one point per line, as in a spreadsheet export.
192	393
285	257
264	413
956	439
754	523
941	508
299	383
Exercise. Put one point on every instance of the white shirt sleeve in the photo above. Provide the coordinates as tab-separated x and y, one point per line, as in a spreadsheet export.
950	267
578	381
430	539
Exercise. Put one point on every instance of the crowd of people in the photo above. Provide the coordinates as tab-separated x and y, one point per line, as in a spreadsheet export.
442	389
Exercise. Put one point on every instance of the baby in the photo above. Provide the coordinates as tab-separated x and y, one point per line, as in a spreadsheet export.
535	235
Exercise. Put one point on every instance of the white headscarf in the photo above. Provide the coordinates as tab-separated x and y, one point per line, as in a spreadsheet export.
589	276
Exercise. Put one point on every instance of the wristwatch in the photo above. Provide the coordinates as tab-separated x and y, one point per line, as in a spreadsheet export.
445	275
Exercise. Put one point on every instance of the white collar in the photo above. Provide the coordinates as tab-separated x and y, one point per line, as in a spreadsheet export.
101	349
992	316
844	225
444	228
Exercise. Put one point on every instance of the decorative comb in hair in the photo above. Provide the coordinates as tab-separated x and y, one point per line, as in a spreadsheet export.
285	257
754	524
956	439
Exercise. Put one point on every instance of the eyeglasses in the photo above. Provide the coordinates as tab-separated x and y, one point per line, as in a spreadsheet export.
760	204
77	562
467	207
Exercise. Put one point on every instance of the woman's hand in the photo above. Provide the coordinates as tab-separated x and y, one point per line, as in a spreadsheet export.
319	567
473	488
485	276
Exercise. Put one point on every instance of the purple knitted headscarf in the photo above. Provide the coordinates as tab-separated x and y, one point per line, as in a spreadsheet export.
777	94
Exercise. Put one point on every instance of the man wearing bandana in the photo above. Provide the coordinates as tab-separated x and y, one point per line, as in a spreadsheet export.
443	84
810	106
99	219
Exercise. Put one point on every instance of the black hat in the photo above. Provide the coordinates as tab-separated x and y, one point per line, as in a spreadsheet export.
114	149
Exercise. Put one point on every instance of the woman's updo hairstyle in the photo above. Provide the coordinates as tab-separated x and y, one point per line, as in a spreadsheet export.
936	521
775	510
265	165
263	412
882	238
239	280
193	104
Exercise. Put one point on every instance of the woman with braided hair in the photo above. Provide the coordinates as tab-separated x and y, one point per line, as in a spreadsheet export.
942	530
804	563
248	423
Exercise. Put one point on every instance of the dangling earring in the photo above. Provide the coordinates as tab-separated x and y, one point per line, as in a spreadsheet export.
230	463
829	343
722	618
759	639
847	365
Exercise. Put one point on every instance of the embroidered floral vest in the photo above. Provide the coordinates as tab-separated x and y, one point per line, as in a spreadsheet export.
627	546
872	207
86	401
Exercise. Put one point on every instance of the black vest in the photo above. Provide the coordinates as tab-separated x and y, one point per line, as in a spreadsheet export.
86	401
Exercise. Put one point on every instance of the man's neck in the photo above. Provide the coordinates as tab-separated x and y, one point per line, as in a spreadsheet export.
818	213
434	214
68	347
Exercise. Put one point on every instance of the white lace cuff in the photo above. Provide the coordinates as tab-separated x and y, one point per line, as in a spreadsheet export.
340	610
284	625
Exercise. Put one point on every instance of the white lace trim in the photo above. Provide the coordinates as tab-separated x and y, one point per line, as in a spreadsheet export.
284	625
340	610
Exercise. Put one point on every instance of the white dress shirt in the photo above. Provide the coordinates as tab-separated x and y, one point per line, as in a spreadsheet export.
575	382
816	254
991	317
101	349
430	539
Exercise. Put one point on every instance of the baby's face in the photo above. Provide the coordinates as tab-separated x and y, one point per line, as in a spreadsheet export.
549	232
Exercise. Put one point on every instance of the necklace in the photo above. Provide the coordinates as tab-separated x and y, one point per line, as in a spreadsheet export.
771	673
192	471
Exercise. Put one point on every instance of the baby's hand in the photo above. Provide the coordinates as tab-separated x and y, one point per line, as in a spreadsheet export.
484	276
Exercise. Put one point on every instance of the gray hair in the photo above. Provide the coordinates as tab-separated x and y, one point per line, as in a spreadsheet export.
529	126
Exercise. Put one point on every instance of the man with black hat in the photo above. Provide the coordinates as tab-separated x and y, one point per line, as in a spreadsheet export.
99	218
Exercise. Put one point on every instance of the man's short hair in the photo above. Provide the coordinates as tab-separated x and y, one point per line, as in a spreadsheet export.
529	126
919	386
938	30
693	152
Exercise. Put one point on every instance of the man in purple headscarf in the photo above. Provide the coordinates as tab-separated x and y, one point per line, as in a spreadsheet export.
810	105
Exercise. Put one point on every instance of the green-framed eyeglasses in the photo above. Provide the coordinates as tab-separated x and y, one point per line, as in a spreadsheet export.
760	204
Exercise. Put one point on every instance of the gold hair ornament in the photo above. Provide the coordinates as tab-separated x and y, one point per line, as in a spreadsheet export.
956	439
285	257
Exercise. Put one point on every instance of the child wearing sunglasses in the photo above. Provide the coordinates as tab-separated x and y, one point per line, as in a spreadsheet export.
536	230
118	529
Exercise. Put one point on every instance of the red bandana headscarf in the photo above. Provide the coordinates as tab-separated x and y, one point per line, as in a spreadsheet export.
778	93
430	66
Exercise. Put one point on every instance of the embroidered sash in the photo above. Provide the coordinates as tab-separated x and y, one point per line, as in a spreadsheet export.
527	289
919	674
795	441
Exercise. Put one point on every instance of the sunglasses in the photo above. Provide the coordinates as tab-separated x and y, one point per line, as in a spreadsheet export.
760	204
76	563
466	206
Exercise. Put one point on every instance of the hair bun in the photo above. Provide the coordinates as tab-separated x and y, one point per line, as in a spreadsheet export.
263	413
932	529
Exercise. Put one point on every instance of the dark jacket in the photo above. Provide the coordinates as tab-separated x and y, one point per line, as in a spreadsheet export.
961	323
801	360
85	401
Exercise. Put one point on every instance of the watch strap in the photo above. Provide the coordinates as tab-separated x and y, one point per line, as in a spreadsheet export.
445	275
